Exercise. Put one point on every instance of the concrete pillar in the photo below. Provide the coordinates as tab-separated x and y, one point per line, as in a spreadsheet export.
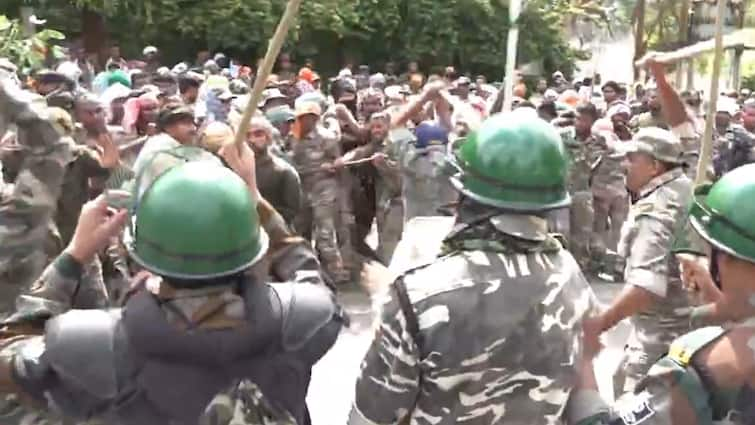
736	64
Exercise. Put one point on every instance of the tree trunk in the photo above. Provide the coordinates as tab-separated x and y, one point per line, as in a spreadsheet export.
639	34
94	34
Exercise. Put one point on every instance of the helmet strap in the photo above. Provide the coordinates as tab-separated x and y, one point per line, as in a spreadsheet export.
713	266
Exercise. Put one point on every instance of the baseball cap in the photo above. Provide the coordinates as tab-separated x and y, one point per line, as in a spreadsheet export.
226	94
661	144
306	108
173	113
279	114
270	94
149	50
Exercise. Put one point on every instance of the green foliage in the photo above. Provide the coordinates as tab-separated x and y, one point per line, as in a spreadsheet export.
27	52
470	34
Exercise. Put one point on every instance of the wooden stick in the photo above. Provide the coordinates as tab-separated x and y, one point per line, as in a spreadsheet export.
706	149
738	38
273	48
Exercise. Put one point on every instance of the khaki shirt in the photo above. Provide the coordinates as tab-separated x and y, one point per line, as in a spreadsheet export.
646	240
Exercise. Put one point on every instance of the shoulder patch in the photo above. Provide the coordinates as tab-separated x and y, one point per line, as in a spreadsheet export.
637	412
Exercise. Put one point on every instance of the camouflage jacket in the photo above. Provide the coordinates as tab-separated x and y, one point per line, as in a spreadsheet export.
494	336
27	208
608	173
578	179
289	258
655	219
312	151
388	186
675	391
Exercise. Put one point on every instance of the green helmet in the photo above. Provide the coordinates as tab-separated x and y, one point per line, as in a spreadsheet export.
196	221
514	161
723	213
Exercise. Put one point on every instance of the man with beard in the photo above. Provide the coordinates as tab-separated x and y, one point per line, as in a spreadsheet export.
361	178
277	180
390	208
653	117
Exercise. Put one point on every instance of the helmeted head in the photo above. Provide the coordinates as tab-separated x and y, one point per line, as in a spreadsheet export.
514	161
722	213
222	237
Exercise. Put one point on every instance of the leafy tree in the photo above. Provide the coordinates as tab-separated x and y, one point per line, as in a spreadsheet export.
27	52
470	34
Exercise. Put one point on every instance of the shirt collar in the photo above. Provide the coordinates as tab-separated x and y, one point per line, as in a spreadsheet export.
659	181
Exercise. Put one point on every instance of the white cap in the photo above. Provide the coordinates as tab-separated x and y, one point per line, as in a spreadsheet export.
727	105
149	50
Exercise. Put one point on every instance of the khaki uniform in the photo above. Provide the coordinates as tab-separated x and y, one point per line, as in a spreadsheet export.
486	334
646	242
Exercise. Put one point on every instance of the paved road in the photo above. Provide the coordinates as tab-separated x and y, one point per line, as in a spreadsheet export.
333	378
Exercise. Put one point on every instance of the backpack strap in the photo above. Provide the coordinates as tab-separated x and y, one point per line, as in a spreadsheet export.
691	379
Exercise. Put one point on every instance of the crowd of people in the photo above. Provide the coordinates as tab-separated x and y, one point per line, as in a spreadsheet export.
142	242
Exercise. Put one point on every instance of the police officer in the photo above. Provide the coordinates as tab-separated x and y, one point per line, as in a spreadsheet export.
707	375
654	297
199	323
488	332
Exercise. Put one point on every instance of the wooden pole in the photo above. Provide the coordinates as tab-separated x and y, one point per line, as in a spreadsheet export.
706	149
266	67
515	8
639	35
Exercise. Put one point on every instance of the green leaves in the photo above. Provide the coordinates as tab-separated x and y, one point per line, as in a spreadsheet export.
470	34
27	52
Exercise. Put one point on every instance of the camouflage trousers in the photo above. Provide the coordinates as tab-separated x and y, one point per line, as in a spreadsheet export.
581	221
611	210
243	404
390	226
321	214
639	356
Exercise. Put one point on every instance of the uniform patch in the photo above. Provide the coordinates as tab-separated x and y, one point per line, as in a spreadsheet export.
637	413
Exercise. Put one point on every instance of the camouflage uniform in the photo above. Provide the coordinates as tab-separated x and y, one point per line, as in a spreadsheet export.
26	210
289	259
647	119
321	191
488	333
390	205
581	214
646	241
733	150
75	191
610	198
424	179
675	391
28	206
244	404
279	183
